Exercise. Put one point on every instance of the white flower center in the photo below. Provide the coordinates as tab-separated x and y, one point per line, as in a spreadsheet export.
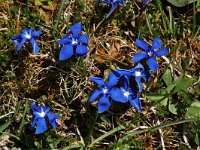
105	90
74	42
42	114
126	94
28	36
150	54
137	73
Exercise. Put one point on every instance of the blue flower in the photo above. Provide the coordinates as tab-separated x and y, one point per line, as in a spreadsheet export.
139	72
30	35
150	53
126	94
73	42
40	113
114	3
103	92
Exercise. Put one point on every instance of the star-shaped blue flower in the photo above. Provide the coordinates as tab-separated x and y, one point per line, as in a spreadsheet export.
40	113
74	44
114	4
27	35
126	94
150	53
103	92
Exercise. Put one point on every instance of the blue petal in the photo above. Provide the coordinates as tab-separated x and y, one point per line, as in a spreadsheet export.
113	79
34	107
153	65
81	50
95	94
106	1
126	82
142	44
52	119
138	66
118	95
156	44
37	33
83	39
136	103
41	126
35	46
66	52
112	9
162	52
138	80
103	104
123	72
97	80
65	39
138	57
76	29
34	119
21	44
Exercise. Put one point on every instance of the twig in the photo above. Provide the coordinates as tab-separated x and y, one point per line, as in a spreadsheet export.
160	131
184	136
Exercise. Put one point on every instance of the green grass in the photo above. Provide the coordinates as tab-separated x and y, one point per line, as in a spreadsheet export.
170	101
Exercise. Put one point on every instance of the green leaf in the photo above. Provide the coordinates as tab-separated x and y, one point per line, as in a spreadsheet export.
162	99
167	77
181	3
194	111
4	126
173	107
182	83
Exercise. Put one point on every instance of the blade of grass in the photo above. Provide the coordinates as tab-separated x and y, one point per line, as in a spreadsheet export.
21	127
59	14
107	134
163	15
73	146
163	125
148	24
194	19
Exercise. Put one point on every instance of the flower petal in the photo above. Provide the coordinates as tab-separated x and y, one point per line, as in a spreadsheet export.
114	5
142	44
97	80
34	107
21	44
103	104
118	95
34	119
65	39
162	52
83	39
123	72
76	29
66	52
113	79
156	44
126	83
37	33
35	46
153	65
138	80
41	126
138	57
81	50
136	103
52	119
95	94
